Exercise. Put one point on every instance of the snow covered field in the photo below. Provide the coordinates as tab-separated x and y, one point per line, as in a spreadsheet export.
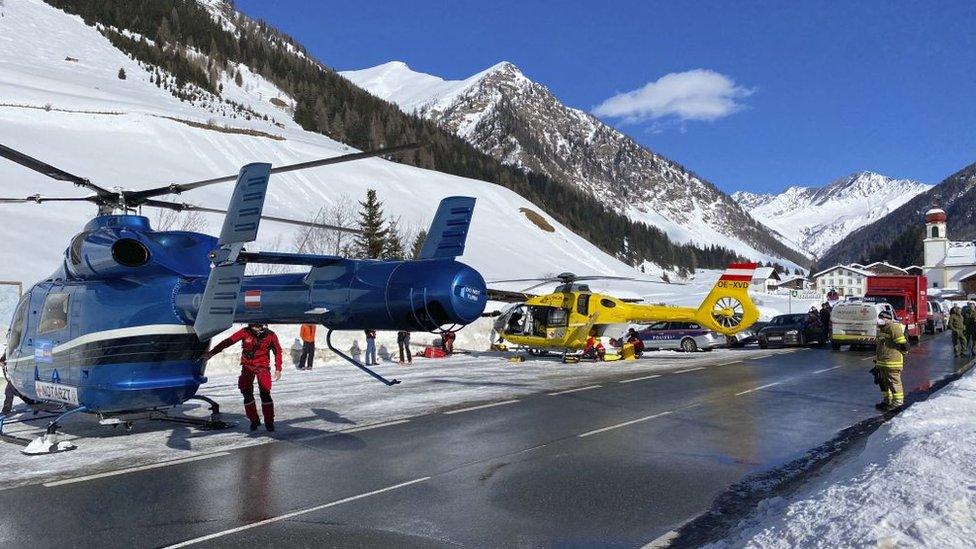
330	398
912	485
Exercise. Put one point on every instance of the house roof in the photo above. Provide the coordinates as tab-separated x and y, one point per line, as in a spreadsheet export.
792	278
848	267
765	273
883	264
961	253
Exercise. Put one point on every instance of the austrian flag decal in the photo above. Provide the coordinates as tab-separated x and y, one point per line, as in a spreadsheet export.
252	299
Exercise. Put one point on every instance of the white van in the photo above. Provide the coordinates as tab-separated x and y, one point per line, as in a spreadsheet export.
855	323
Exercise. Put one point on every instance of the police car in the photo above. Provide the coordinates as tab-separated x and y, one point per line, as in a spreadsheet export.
682	336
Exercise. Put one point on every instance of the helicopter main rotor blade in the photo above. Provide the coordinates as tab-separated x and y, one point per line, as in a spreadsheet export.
134	198
50	171
37	199
182	207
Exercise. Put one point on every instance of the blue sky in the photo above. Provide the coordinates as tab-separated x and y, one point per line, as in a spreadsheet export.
761	94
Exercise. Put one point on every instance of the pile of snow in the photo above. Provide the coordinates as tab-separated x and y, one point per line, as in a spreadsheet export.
816	218
913	485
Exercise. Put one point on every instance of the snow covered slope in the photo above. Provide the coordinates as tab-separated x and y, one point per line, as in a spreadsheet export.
503	113
78	115
816	218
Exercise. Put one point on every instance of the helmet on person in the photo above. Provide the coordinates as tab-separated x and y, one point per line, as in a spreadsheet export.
885	314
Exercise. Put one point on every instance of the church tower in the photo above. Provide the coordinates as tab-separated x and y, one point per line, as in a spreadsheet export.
936	246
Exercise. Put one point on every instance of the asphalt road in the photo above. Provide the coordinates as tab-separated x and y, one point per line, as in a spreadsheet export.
617	463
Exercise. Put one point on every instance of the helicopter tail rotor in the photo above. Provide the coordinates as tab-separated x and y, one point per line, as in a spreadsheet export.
728	308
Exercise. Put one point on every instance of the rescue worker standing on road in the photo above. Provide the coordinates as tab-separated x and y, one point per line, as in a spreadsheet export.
969	319
957	326
257	344
889	361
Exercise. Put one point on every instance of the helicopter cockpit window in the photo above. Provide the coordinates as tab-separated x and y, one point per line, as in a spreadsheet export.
558	318
583	304
17	328
607	303
516	321
54	317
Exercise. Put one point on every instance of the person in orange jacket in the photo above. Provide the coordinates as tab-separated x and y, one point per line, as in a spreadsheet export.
307	333
257	344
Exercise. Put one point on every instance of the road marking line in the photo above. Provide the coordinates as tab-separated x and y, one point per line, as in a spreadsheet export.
688	370
825	370
624	424
867	358
52	484
730	363
375	426
293	514
493	404
761	356
575	390
652	376
664	540
758	388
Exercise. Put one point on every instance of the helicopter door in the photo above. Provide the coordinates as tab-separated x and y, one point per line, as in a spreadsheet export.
52	330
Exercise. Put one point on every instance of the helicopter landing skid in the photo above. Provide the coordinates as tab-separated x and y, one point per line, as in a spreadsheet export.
213	423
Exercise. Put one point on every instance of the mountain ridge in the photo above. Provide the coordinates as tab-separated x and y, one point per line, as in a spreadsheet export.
521	123
816	218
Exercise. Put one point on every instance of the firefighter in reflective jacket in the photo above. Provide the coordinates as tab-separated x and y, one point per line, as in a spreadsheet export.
889	361
257	344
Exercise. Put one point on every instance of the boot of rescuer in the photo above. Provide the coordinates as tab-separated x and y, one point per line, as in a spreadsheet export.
267	408
251	411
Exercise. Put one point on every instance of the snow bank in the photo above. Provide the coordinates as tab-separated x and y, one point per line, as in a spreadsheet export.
914	484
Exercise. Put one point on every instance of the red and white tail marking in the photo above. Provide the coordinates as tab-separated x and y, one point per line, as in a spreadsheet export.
739	272
252	299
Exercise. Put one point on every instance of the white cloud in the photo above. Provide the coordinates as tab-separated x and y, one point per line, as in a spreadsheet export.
698	94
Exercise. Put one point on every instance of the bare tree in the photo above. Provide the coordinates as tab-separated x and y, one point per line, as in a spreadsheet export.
171	220
313	240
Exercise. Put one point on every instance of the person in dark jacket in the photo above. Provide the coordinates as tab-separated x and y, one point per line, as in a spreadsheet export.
969	320
403	345
825	310
257	345
448	337
9	391
957	325
634	339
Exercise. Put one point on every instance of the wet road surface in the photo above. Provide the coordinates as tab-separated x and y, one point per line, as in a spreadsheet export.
618	462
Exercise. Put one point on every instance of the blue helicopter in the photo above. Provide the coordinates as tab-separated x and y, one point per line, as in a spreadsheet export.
120	328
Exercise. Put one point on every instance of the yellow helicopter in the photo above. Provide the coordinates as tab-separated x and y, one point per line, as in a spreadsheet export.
565	319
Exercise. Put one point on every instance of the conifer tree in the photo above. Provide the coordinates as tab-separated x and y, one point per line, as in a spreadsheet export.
371	243
121	73
394	247
418	244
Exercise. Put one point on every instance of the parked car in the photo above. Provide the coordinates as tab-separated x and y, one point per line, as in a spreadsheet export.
792	329
747	336
936	320
682	336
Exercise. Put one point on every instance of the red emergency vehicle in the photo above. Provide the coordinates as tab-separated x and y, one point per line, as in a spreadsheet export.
906	294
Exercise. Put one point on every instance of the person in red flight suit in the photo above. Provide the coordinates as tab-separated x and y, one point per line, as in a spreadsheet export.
594	349
257	344
634	339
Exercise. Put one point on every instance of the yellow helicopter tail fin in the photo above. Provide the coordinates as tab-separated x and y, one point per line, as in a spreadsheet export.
728	309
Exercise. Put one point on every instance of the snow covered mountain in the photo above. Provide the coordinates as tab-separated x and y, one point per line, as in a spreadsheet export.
62	99
503	113
816	218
